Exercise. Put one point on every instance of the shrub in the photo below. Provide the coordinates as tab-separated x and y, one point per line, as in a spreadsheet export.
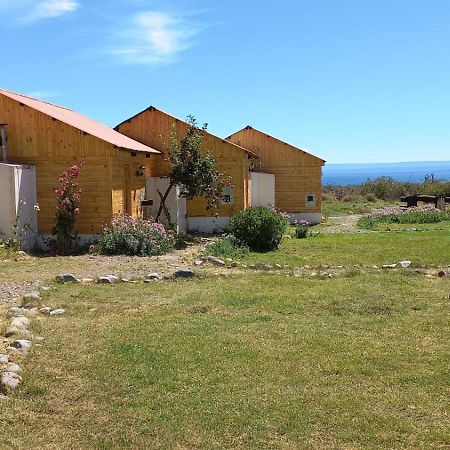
371	197
226	247
301	229
133	236
420	214
259	228
68	197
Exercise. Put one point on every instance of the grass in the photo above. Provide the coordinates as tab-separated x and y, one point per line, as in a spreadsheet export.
255	361
371	248
333	208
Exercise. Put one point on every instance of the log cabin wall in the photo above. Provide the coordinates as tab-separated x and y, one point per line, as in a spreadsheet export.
34	137
297	173
152	127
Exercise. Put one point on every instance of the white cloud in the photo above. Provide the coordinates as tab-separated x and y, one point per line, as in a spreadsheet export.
154	37
49	9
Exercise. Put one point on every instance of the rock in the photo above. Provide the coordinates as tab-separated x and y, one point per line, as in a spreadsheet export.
45	289
15	311
20	322
31	300
184	273
405	264
67	278
10	380
3	397
12	367
199	262
38	338
153	276
109	279
22	345
228	260
443	273
389	266
32	312
12	332
4	359
234	264
215	261
263	266
45	310
278	266
58	312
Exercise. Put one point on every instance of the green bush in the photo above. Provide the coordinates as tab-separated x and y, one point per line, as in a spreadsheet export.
133	236
226	247
259	228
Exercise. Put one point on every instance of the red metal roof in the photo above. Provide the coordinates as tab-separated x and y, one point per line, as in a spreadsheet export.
81	122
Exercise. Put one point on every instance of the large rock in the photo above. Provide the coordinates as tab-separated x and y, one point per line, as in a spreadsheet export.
22	345
184	273
21	323
15	311
10	380
214	260
13	367
4	359
31	300
405	264
153	276
109	279
67	278
45	310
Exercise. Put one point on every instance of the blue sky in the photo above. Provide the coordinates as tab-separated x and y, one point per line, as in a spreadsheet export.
349	80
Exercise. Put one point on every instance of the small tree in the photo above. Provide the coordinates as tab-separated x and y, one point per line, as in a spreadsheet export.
68	196
194	172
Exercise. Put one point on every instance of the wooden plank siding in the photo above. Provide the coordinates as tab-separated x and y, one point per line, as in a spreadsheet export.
297	173
152	127
52	146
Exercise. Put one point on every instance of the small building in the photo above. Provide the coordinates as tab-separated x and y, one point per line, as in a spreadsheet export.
298	174
152	127
51	138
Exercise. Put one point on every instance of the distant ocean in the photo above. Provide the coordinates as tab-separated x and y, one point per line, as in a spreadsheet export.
345	174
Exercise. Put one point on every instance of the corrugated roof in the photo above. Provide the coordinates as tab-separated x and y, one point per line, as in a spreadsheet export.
81	122
152	108
248	127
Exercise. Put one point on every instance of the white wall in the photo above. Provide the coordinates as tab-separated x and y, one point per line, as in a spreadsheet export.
18	185
263	189
175	204
313	218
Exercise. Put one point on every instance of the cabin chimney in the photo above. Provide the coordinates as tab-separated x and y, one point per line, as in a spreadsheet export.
3	141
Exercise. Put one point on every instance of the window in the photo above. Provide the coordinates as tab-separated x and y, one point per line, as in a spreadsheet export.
228	195
310	200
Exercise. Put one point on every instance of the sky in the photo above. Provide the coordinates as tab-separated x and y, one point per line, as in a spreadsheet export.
349	80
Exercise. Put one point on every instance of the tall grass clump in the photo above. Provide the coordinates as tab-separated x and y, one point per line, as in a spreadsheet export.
134	236
420	214
226	247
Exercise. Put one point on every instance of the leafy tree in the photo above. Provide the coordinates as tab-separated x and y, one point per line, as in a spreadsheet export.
194	171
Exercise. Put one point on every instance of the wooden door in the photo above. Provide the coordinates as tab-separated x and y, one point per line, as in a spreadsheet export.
126	193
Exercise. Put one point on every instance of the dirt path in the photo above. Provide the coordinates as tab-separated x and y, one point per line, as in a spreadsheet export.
342	224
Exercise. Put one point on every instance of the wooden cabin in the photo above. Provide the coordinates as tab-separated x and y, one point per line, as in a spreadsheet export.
152	127
298	174
52	138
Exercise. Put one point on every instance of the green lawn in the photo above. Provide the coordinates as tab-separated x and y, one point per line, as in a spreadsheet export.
251	361
370	248
333	208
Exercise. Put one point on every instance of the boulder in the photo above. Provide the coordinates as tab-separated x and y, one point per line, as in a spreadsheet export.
405	264
20	322
4	359
184	273
31	300
13	367
10	380
153	276
45	310
22	345
67	278
15	311
108	279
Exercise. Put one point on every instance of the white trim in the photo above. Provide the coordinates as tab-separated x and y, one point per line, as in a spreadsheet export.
208	224
310	217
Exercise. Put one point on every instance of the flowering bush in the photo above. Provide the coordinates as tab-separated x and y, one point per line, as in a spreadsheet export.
68	197
301	228
127	235
261	229
419	214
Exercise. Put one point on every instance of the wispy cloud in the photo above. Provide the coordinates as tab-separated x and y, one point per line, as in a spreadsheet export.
153	37
50	9
29	11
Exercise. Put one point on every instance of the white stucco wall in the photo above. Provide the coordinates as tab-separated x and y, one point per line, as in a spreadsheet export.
314	218
18	197
263	189
208	225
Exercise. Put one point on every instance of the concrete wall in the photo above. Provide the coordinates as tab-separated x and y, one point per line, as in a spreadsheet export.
17	199
263	189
